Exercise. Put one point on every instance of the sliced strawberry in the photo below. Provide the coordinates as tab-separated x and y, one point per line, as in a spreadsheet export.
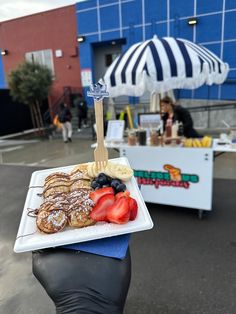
119	212
133	206
121	194
96	195
99	211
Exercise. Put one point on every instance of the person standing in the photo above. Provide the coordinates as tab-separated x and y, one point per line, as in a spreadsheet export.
82	110
65	117
172	113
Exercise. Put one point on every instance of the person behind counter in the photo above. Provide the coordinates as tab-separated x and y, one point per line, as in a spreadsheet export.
175	113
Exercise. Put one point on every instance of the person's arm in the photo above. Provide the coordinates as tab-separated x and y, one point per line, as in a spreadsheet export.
164	119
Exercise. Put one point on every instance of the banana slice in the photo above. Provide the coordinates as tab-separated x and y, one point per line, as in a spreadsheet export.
107	170
119	171
95	170
90	170
112	170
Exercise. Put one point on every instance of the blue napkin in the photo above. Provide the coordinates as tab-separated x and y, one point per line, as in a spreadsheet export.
115	247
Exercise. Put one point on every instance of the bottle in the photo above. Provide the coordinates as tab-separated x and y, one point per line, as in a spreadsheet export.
169	128
174	130
180	129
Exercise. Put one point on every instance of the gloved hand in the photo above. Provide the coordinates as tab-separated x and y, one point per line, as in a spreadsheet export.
80	282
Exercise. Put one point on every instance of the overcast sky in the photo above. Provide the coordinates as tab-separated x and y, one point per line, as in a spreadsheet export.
10	9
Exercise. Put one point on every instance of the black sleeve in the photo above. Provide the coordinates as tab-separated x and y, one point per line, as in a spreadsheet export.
184	116
80	282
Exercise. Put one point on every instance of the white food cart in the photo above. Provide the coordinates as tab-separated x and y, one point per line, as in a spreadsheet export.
175	176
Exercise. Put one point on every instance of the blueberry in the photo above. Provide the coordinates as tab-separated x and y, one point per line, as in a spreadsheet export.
109	179
101	174
121	187
103	179
115	183
95	185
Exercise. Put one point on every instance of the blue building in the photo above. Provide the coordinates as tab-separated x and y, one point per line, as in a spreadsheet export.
107	27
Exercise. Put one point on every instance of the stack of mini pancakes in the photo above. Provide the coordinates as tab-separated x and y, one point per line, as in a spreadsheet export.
65	201
66	198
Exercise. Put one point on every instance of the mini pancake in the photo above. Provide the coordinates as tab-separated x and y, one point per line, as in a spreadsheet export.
83	168
78	184
58	188
80	217
51	221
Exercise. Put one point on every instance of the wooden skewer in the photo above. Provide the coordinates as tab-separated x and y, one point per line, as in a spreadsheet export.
100	152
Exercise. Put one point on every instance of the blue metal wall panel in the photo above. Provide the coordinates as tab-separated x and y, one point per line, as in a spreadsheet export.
86	58
209	28
213	91
232	74
215	48
230	32
2	77
206	92
204	6
110	35
230	53
185	93
228	91
86	4
157	29
128	33
105	2
161	29
131	13
109	17
87	22
182	8
230	4
155	10
181	29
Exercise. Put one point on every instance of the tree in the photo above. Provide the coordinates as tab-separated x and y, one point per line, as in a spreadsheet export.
30	84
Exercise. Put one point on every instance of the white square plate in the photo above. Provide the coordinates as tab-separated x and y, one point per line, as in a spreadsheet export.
29	239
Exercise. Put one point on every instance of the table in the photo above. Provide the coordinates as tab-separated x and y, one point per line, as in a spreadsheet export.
175	176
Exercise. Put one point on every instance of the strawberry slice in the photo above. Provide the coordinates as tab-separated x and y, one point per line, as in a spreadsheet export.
96	195
119	212
121	194
99	211
133	206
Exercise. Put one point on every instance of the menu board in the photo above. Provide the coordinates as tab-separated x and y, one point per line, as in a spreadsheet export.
149	120
115	130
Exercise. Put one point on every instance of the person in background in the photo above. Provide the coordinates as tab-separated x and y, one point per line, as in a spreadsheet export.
171	111
82	109
65	117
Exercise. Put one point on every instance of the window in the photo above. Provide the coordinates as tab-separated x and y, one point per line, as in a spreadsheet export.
42	57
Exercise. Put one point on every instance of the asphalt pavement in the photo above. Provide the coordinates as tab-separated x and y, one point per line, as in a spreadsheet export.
184	265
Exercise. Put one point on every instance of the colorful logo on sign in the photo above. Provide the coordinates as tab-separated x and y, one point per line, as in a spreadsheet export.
171	177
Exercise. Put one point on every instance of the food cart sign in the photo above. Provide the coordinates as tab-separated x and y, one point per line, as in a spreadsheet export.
171	176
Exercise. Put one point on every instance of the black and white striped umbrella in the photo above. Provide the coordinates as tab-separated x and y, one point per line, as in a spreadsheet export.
162	64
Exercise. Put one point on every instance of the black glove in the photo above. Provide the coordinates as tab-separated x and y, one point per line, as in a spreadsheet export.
80	282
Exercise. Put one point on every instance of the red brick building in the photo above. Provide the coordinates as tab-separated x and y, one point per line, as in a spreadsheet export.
51	38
